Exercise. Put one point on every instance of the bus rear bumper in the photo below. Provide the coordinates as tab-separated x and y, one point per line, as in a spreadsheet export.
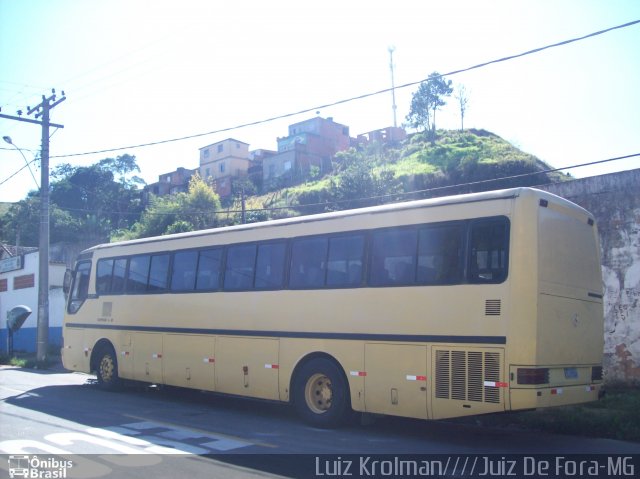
532	398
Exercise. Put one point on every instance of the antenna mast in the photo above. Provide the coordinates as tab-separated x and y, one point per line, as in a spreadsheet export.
393	86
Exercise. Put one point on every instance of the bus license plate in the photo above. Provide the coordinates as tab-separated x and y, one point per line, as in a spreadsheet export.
570	373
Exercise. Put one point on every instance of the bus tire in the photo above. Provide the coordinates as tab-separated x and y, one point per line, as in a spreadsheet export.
321	393
107	369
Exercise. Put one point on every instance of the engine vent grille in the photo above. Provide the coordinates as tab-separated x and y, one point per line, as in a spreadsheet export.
492	307
463	375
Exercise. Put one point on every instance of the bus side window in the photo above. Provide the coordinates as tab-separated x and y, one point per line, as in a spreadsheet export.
393	257
208	278
80	289
439	254
103	276
345	261
138	276
183	277
240	267
119	271
308	263
489	241
158	272
270	266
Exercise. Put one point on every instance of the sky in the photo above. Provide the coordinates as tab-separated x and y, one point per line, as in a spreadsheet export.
137	72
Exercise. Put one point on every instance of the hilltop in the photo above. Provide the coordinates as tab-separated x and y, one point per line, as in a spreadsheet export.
457	162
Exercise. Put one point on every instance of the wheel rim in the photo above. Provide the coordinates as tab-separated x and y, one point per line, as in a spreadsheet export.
318	393
106	368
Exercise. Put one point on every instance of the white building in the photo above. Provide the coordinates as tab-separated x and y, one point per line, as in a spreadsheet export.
19	286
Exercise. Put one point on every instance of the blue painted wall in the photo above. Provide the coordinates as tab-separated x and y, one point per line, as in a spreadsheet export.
24	340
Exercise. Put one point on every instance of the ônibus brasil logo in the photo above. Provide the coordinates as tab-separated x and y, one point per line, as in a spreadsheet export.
34	467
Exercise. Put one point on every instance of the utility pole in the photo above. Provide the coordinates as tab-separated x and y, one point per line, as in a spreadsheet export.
243	206
43	110
393	86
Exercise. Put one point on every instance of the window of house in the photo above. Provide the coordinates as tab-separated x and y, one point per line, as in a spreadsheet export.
24	281
220	148
222	167
287	165
205	153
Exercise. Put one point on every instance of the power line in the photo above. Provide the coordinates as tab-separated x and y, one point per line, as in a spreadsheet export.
25	166
354	98
370	198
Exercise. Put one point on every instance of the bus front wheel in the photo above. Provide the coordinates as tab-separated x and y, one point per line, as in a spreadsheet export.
107	369
321	393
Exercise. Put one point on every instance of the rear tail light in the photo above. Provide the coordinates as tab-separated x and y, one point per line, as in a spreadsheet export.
533	375
596	373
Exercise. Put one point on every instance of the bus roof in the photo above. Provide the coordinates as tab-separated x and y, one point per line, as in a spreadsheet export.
424	203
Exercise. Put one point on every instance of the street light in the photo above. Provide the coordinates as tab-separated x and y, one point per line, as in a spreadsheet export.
8	140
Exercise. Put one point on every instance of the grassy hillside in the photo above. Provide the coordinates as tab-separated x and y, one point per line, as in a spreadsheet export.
458	162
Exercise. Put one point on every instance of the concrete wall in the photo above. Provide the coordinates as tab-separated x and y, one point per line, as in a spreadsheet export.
614	199
25	338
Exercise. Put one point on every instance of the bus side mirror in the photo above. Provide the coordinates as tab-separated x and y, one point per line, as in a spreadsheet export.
68	278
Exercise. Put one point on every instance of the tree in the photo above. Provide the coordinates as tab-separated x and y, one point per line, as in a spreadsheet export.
361	182
21	223
177	213
201	204
103	196
462	95
426	101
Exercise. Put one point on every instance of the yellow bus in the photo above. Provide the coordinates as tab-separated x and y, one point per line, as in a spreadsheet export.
428	309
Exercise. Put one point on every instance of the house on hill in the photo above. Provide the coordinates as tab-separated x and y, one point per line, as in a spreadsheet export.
222	161
310	143
169	184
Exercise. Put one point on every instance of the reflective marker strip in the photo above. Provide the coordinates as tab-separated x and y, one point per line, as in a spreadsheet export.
156	356
416	378
556	391
271	366
124	353
590	388
208	360
358	373
496	384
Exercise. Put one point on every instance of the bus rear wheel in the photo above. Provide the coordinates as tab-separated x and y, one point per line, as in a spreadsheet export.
107	369
321	394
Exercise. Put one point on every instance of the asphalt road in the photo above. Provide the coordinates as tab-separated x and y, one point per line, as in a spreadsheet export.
149	432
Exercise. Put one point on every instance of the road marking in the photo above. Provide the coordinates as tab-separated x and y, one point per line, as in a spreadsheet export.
145	423
126	441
